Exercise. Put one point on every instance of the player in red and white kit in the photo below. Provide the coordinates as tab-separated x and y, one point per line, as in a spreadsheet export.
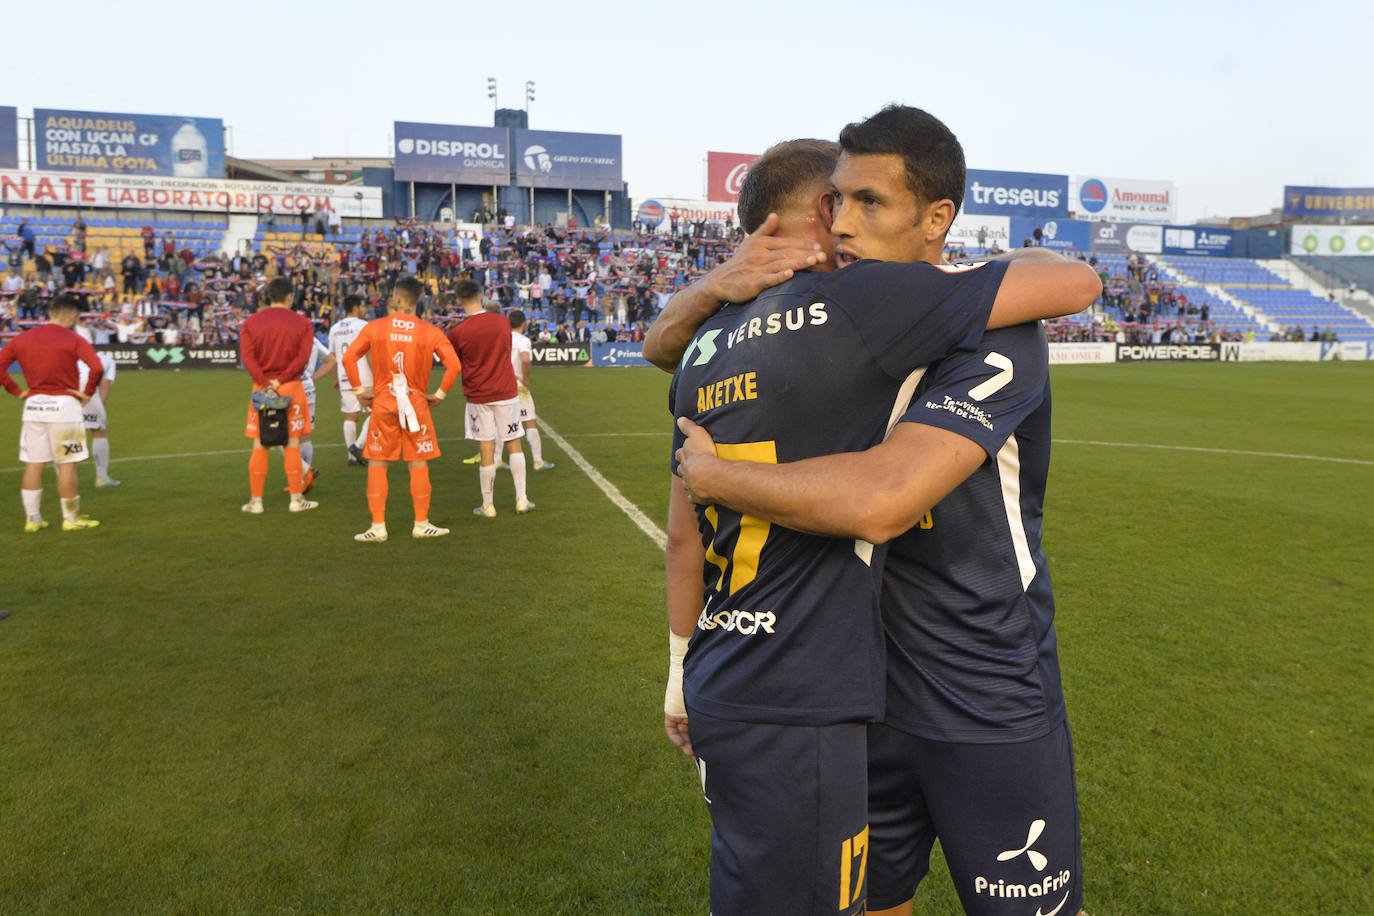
53	428
483	343
402	348
275	344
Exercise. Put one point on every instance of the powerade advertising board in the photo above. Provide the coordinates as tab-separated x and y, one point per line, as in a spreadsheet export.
452	154
9	137
1031	194
127	144
579	162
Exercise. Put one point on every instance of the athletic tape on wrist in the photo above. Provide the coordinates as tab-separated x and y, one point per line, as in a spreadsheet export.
673	704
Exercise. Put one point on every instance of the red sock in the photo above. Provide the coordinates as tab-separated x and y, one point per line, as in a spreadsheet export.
257	472
420	491
376	493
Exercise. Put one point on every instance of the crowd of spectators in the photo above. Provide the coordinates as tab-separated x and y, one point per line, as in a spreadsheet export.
575	284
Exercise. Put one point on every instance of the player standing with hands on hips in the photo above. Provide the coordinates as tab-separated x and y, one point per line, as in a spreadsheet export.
53	428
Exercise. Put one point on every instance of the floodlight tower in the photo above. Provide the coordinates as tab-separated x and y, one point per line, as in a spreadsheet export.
529	93
491	90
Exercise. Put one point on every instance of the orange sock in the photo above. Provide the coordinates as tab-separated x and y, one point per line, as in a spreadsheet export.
420	491
376	493
292	457
257	472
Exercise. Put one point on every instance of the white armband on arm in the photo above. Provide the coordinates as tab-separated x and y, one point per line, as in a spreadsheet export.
673	704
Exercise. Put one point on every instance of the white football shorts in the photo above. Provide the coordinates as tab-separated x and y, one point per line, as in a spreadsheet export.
526	407
41	442
497	421
348	401
93	414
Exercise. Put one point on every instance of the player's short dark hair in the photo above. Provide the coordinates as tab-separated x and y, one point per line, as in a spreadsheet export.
517	319
467	290
409	289
782	170
934	158
64	303
279	290
351	302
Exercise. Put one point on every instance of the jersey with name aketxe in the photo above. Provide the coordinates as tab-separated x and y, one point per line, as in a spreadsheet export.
790	632
967	604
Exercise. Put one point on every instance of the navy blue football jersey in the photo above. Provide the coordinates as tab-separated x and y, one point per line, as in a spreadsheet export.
823	363
967	604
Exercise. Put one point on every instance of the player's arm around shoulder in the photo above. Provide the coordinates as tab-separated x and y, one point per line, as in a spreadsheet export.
874	495
1040	284
762	260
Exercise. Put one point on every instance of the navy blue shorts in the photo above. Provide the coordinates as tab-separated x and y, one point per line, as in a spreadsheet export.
789	816
1006	816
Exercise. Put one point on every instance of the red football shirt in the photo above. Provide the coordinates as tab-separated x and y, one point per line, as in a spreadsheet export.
275	344
483	344
48	355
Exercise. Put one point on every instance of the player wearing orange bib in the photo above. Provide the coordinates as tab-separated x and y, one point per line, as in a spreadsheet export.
402	348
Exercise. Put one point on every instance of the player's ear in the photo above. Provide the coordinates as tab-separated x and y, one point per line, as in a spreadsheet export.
937	219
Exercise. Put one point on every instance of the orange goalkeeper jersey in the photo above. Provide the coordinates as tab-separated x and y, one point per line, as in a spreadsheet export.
405	345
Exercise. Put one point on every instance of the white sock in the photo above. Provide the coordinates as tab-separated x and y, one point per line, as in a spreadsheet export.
100	449
536	445
350	431
517	471
71	509
487	475
307	453
362	433
33	503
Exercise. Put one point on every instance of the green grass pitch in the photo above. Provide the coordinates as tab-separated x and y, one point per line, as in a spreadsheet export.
204	711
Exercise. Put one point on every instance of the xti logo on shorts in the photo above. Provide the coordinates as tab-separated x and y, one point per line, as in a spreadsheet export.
73	448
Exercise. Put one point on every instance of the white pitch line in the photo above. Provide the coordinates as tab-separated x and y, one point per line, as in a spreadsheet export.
1215	451
645	523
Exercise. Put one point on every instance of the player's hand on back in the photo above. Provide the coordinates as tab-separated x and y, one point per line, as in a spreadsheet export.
762	260
81	396
698	447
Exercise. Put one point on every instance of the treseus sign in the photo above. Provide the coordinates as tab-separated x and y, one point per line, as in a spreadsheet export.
452	154
577	162
725	173
128	144
1030	194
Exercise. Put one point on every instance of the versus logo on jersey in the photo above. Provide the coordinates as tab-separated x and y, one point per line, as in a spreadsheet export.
704	346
